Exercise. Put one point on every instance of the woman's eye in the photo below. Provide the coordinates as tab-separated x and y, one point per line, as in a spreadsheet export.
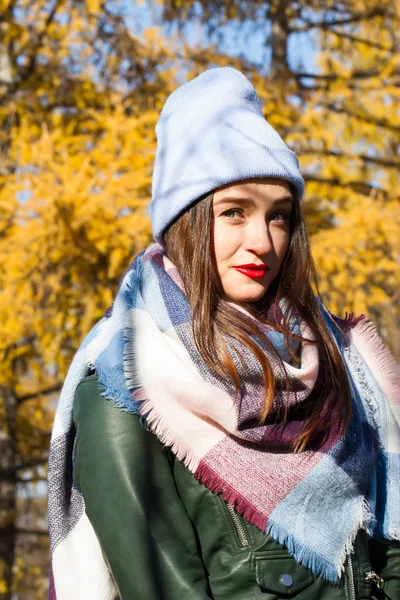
232	213
281	217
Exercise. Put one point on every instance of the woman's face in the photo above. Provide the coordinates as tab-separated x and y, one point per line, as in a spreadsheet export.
251	235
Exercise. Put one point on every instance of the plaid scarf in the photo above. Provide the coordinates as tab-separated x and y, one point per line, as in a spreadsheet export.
144	355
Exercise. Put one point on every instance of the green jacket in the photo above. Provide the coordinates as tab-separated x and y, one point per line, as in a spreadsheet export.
165	536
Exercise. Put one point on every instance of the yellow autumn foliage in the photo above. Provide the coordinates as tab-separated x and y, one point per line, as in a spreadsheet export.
81	217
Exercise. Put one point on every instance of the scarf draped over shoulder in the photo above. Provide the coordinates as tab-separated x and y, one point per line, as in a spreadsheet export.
145	358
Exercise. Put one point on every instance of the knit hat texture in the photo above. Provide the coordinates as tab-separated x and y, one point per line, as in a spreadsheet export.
211	132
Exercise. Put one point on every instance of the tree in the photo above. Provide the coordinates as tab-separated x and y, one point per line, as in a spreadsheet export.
77	147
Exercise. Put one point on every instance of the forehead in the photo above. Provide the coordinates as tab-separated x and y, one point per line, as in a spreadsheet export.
271	189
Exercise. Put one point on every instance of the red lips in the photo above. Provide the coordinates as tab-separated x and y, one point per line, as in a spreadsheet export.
252	270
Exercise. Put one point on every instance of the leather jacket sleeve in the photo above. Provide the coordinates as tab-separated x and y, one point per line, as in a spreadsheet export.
126	478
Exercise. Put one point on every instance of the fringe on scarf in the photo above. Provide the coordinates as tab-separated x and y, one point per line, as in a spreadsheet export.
319	565
154	420
168	435
378	358
214	483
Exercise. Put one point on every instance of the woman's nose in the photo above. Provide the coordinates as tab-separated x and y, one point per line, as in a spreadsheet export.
258	238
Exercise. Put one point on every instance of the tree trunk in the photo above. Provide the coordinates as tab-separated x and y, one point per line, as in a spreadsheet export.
279	42
8	492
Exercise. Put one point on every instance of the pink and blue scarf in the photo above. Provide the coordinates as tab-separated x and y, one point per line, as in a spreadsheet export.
145	358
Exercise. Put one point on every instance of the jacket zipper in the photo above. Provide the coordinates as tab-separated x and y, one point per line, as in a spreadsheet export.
350	578
241	533
378	581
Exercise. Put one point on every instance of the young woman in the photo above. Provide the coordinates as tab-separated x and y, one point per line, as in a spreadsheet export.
220	434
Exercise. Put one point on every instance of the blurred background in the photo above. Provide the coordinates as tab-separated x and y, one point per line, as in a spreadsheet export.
81	86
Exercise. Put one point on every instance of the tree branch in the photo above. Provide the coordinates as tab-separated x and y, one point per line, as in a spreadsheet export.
354	38
358	186
9	474
377	161
39	39
31	532
32	464
31	396
337	77
27	72
30	480
375	12
366	118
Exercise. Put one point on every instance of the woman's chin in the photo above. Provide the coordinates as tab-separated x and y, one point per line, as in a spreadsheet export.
250	294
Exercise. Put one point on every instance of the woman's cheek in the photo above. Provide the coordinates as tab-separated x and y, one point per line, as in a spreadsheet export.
225	243
282	244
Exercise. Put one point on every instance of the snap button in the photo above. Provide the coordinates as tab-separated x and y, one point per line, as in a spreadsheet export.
286	580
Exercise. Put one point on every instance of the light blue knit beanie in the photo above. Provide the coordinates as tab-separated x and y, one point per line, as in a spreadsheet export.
211	131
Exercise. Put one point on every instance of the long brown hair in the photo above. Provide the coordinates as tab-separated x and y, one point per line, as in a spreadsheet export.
215	320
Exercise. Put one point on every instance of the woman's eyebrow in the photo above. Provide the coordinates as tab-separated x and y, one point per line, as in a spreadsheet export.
244	201
284	200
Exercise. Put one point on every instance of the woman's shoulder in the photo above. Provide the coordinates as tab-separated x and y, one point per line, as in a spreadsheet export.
88	392
91	380
103	423
92	405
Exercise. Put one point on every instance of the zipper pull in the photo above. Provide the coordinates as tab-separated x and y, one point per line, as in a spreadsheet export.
378	581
